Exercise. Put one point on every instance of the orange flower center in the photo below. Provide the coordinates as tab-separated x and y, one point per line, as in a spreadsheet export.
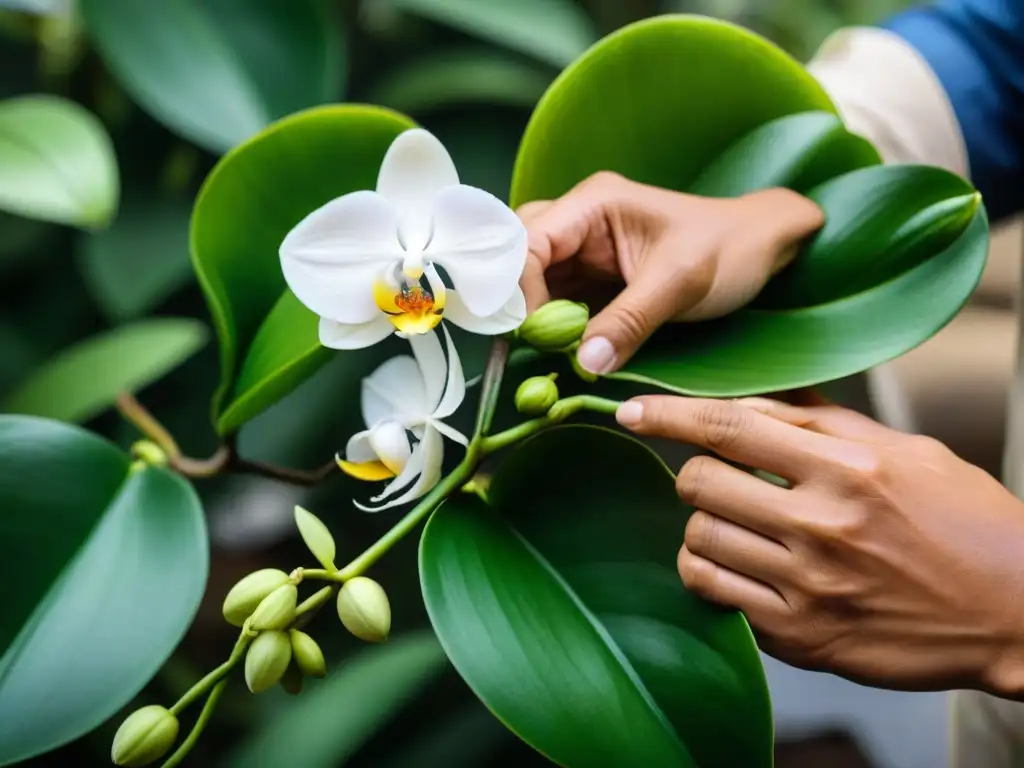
411	309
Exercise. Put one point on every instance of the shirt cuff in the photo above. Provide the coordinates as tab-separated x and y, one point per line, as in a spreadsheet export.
885	91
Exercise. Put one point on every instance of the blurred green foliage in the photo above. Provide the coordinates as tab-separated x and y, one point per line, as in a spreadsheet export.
178	82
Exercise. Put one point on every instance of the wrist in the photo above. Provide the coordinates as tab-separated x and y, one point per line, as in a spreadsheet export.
1003	674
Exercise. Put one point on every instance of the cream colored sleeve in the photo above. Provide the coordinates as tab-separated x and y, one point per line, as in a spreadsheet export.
885	91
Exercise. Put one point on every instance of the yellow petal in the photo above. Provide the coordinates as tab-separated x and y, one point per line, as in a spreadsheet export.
370	471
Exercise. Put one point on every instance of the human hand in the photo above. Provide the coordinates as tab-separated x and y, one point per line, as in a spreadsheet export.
888	560
681	257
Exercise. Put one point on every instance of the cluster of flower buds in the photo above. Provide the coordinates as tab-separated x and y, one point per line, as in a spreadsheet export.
265	605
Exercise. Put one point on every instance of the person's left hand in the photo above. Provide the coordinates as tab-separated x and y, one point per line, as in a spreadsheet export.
887	560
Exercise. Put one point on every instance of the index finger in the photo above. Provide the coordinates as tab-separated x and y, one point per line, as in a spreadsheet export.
734	432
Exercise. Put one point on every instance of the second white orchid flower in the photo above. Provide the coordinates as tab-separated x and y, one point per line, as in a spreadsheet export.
367	262
407	397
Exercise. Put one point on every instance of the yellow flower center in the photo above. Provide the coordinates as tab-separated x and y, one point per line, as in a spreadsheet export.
410	308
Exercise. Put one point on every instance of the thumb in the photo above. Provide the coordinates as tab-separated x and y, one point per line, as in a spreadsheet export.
653	297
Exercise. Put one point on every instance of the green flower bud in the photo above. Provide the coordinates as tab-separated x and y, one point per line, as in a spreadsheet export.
250	592
291	681
536	395
555	326
276	610
364	609
307	654
267	660
144	737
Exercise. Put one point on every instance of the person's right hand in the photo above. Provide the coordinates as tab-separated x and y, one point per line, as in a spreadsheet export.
681	257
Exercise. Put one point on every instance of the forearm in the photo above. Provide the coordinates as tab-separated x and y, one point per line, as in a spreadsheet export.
942	84
885	91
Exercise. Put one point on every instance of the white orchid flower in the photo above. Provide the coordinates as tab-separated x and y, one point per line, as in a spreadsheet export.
367	262
407	396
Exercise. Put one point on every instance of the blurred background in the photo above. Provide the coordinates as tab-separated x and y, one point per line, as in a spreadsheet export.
469	71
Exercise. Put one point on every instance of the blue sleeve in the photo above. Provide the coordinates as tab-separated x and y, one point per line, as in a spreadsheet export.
976	47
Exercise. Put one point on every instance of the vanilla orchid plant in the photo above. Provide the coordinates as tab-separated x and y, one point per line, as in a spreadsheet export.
419	251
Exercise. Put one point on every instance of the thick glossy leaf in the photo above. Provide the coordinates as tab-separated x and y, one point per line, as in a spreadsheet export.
104	568
247	205
85	379
330	721
693	87
796	151
880	222
562	609
462	76
218	71
552	31
754	352
58	162
141	259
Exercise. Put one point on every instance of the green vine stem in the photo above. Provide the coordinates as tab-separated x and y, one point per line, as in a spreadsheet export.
559	412
197	730
216	676
481	445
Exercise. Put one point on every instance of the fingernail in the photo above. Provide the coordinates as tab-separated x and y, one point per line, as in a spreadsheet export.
629	413
596	355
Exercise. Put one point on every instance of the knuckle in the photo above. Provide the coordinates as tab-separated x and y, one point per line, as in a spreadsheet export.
605	180
863	470
532	209
722	424
927	447
838	527
692	480
699	576
633	321
702	533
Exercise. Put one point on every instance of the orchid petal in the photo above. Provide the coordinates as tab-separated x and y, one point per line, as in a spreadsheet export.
415	167
428	458
354	335
358	448
390	443
450	432
368	471
507	318
482	245
434	371
394	391
455	389
332	257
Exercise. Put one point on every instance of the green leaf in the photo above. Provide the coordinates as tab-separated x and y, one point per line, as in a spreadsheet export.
673	72
552	31
141	260
874	233
462	76
218	71
247	205
880	222
86	379
104	568
58	162
796	151
562	609
316	536
328	723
